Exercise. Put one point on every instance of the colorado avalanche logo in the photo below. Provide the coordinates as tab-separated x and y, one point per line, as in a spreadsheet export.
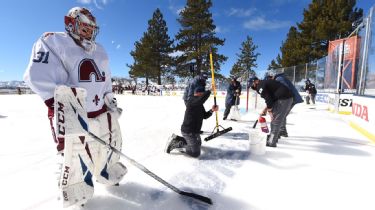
87	69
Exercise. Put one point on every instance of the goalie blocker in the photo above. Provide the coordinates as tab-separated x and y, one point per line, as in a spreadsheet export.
83	157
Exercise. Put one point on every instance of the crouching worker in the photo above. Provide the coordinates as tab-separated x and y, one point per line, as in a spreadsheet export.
278	99
191	142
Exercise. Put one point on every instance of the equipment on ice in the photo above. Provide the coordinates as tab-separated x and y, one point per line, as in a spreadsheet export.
80	125
235	112
263	124
225	130
255	123
258	139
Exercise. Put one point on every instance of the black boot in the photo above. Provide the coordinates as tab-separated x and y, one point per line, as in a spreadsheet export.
175	142
270	141
283	133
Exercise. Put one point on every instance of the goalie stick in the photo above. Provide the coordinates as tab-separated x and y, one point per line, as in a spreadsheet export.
141	167
144	169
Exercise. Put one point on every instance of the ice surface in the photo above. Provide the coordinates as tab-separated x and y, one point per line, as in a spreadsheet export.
324	164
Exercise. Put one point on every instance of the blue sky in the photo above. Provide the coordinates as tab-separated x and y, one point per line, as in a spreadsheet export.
122	22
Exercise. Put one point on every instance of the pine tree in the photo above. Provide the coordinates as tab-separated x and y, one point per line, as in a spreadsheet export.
142	58
161	45
274	64
292	50
196	37
244	67
324	21
151	56
235	69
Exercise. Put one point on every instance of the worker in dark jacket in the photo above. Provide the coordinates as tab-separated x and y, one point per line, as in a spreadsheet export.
233	96
280	77
278	99
311	91
191	142
199	80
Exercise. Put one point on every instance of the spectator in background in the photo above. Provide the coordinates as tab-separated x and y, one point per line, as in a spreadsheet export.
233	96
311	92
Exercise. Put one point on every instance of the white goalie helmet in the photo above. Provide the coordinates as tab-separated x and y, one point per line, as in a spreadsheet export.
81	25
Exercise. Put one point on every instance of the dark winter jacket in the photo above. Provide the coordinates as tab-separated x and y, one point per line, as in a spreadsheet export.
230	99
285	81
272	91
195	113
189	90
310	88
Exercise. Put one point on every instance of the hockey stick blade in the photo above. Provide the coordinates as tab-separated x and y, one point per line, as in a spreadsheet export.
198	197
143	168
219	133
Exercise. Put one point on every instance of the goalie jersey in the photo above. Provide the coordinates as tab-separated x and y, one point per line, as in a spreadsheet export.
57	60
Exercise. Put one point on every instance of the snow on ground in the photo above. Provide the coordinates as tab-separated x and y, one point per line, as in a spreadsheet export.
324	164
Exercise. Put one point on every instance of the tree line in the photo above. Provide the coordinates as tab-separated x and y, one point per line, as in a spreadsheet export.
323	21
160	58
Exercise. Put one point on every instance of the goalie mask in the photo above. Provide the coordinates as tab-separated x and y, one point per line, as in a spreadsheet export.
81	25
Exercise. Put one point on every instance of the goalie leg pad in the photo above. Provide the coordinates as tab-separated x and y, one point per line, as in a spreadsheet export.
76	194
84	157
111	175
76	173
108	169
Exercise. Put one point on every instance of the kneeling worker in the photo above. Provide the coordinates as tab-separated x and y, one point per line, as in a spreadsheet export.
191	142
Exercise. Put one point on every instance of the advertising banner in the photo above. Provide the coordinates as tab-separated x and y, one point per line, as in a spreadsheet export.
363	116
